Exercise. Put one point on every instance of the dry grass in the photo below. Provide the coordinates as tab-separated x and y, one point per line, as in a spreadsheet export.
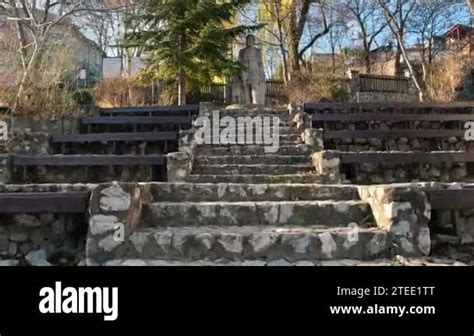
445	77
125	92
320	84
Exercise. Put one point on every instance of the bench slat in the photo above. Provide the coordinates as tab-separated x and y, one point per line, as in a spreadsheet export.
104	137
390	134
89	160
348	117
398	157
173	120
163	110
311	107
448	199
61	202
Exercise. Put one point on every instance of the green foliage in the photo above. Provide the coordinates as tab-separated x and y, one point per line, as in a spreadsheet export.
191	36
83	97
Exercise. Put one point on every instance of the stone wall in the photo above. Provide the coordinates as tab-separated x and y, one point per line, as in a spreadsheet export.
180	164
43	239
115	212
329	162
454	223
404	211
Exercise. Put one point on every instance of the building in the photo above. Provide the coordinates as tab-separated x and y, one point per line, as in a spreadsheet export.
79	58
117	67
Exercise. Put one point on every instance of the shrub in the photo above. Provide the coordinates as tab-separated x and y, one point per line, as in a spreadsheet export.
124	92
316	85
445	77
83	97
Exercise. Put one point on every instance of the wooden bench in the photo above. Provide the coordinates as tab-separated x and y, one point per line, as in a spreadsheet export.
400	158
178	121
365	117
24	161
89	160
184	110
392	106
451	199
116	137
393	134
44	202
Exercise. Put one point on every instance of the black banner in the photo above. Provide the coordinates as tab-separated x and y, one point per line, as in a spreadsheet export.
354	300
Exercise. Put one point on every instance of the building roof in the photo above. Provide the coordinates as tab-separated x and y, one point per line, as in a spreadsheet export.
458	31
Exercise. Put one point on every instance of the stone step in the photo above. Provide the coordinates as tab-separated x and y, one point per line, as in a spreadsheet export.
282	137
214	150
208	192
306	213
284	115
231	169
256	243
256	179
253	159
270	130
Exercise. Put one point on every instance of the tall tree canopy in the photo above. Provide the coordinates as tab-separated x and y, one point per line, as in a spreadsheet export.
187	40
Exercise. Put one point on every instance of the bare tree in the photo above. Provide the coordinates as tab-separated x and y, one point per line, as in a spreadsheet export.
396	21
369	19
33	22
300	18
429	20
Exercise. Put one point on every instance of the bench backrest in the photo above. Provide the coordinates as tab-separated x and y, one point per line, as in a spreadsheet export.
391	134
152	110
44	202
448	199
400	157
366	117
88	160
105	137
123	120
315	107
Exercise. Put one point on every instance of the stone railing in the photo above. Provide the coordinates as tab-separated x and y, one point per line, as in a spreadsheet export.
313	137
402	210
180	164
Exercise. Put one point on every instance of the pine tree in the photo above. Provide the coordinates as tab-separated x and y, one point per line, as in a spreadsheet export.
186	40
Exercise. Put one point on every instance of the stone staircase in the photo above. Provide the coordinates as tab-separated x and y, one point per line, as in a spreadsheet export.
242	204
251	163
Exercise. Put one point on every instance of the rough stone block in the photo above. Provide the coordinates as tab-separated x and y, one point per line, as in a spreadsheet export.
313	138
327	163
179	166
402	210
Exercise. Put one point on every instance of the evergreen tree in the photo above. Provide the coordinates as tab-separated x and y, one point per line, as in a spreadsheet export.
187	40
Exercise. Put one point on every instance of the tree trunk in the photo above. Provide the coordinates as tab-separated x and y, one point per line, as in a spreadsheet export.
294	57
286	76
181	87
276	9
398	63
182	75
368	65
